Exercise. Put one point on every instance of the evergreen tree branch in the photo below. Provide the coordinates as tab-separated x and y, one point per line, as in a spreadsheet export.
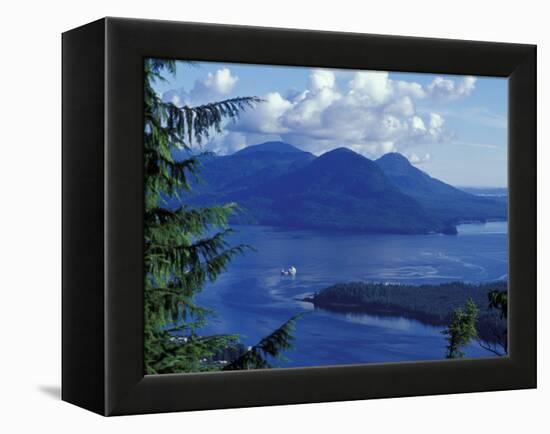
179	258
490	348
270	346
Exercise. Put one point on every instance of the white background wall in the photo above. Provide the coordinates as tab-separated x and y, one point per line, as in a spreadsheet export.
30	248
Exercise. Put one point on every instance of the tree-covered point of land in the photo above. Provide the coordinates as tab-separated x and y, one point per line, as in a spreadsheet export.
430	303
185	247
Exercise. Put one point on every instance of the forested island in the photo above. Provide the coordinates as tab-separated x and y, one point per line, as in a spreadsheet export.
433	304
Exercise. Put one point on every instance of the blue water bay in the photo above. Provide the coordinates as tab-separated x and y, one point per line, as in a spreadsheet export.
252	298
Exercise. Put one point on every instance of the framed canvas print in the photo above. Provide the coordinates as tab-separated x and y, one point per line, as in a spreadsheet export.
263	216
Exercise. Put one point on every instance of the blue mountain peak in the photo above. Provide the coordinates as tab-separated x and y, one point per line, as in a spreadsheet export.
394	157
281	147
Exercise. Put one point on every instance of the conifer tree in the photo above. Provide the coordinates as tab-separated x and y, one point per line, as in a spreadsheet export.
498	304
461	329
184	247
269	347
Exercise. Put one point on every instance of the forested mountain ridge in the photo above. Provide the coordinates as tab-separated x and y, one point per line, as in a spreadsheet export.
277	184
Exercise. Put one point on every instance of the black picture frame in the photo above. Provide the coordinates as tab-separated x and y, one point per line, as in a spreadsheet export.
102	292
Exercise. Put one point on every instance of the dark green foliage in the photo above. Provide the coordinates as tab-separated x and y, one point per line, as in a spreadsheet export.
269	347
184	247
497	342
461	329
430	303
499	300
436	300
437	304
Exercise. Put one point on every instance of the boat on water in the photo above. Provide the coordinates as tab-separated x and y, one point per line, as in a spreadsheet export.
290	271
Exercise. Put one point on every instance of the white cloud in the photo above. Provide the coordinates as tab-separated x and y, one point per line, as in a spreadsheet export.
321	78
402	106
436	124
307	112
417	125
415	159
214	86
267	117
370	112
175	96
227	143
372	115
373	86
410	88
222	81
444	90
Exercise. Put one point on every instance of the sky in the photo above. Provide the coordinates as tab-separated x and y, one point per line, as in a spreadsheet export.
452	127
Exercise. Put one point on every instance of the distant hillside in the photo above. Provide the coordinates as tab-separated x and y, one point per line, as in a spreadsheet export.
277	184
441	200
338	190
225	174
279	147
486	191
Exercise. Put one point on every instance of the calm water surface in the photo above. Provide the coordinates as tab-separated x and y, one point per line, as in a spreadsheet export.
252	298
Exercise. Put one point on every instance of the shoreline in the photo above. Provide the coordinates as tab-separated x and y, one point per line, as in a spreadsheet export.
344	231
377	310
430	304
